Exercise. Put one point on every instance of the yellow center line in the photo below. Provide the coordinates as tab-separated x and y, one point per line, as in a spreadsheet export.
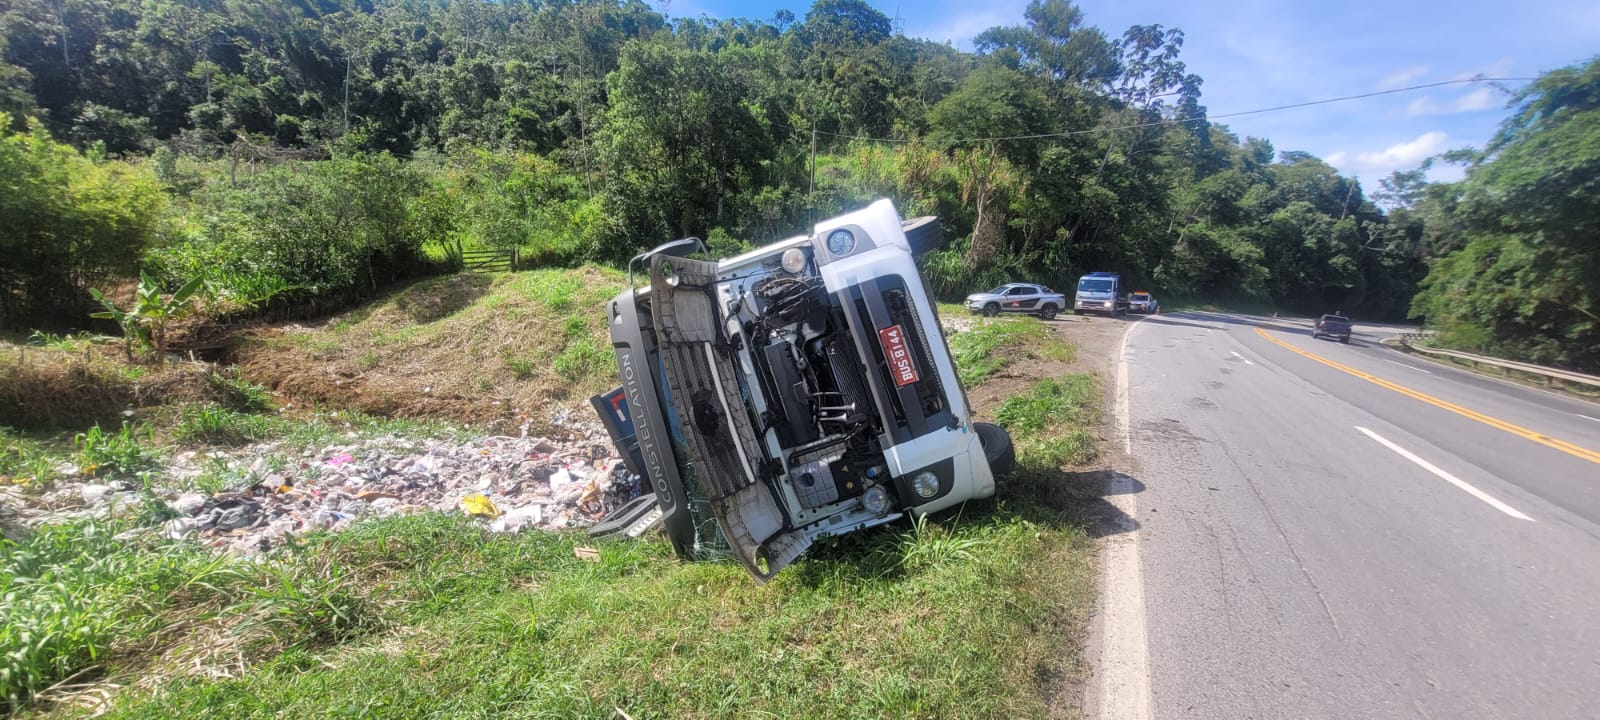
1496	423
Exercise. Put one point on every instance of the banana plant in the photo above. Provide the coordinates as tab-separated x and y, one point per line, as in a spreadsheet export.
146	322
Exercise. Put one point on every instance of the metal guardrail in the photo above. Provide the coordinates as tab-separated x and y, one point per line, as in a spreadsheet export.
1549	374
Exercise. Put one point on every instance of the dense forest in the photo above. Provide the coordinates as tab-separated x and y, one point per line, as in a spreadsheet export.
295	152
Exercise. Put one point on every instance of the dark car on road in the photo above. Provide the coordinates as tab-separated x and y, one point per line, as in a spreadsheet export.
1334	326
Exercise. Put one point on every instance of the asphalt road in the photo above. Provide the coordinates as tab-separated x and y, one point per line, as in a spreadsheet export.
1388	538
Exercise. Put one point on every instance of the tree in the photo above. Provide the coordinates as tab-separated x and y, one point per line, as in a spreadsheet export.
1527	281
679	140
845	22
1055	44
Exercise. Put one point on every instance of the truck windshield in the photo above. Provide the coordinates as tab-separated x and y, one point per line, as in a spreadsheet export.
1094	285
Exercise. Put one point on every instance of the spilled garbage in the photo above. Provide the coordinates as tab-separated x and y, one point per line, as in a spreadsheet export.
509	484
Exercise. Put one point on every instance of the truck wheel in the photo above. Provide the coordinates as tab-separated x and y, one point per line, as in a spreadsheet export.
997	448
991	310
1048	313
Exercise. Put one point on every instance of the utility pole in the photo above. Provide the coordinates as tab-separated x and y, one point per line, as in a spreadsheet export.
347	92
61	17
811	192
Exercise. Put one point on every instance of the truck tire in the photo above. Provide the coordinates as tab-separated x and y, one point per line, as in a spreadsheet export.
1048	312
991	310
997	448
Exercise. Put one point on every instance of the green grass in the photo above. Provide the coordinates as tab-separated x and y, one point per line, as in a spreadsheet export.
217	425
238	393
993	344
428	616
77	601
125	452
202	424
1053	424
28	459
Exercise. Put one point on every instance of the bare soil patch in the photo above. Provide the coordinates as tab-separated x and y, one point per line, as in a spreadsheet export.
492	350
52	389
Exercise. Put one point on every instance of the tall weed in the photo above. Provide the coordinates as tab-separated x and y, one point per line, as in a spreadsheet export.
126	451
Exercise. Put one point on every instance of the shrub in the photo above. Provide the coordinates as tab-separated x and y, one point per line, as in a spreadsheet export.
68	221
306	231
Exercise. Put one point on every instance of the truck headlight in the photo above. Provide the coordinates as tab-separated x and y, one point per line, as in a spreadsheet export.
793	261
926	484
877	501
841	242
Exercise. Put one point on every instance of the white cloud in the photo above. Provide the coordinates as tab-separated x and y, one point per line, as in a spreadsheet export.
1482	98
1424	106
1403	77
1400	156
961	26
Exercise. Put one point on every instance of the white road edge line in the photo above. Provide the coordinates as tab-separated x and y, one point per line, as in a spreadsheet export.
1586	417
1121	399
1122	678
1447	477
1401	364
1241	357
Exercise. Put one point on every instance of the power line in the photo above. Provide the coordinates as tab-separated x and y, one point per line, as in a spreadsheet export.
1159	123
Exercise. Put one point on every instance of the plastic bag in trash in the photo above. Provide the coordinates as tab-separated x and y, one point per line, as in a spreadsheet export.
478	504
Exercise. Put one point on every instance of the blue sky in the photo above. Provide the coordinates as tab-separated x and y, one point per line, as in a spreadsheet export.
1263	53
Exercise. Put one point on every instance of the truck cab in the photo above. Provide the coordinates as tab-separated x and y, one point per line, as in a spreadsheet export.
1100	292
800	390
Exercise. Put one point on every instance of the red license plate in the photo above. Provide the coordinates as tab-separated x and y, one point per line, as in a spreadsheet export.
901	364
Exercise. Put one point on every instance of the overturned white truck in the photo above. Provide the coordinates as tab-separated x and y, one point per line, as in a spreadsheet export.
800	390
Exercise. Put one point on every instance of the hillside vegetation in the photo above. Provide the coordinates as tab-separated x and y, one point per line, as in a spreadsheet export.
304	155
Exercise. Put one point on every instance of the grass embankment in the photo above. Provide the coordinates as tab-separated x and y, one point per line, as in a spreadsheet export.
478	348
977	613
428	616
992	345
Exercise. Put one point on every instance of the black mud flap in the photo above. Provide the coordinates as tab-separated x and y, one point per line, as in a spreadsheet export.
728	460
